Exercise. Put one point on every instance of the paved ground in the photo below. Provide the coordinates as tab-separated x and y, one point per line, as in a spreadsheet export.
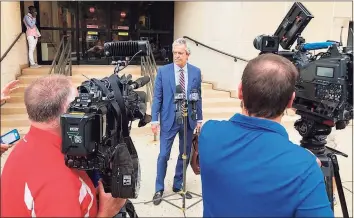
148	151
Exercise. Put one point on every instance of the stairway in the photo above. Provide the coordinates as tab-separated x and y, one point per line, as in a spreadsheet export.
216	104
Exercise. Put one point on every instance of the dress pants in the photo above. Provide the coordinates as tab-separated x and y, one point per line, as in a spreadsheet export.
32	42
166	141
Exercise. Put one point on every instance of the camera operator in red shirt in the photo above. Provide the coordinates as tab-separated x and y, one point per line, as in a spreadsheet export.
35	180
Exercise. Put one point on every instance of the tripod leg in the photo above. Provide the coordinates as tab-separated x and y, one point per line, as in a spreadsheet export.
329	189
340	190
194	203
184	157
162	198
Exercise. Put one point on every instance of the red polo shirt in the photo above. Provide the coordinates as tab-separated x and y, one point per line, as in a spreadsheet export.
36	182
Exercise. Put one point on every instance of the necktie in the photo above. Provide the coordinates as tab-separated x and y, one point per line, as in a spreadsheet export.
182	84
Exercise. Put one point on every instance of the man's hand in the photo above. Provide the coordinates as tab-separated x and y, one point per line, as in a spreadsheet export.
108	206
199	126
155	128
4	148
5	92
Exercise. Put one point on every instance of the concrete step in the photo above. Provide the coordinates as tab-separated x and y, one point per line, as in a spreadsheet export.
27	79
13	108
210	93
287	122
15	98
85	69
16	120
22	87
17	106
23	130
207	93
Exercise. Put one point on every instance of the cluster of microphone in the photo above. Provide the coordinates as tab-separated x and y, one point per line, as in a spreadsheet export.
181	99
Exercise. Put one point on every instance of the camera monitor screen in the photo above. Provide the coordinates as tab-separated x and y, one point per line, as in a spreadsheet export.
325	72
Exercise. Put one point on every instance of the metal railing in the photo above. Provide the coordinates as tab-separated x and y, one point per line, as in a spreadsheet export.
62	60
236	58
11	46
149	68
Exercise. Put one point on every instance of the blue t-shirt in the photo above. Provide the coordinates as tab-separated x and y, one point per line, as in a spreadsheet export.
249	168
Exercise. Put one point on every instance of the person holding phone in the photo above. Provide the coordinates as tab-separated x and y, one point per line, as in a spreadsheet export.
5	95
32	34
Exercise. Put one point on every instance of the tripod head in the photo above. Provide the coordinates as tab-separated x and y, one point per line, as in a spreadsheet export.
314	132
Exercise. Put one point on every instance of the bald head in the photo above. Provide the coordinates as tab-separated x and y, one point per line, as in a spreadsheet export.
268	84
48	97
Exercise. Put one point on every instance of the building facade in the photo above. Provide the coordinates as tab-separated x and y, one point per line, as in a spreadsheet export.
226	26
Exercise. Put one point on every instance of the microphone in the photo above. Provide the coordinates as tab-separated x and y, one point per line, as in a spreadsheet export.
142	81
193	98
179	97
126	48
142	96
129	77
179	94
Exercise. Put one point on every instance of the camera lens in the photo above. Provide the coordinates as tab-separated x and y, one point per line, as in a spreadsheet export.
257	42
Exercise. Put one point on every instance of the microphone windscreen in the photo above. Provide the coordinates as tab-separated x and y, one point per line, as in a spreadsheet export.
142	107
178	89
194	95
144	80
142	95
129	77
126	48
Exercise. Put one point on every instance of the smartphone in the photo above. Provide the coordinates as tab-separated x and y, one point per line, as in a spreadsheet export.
10	137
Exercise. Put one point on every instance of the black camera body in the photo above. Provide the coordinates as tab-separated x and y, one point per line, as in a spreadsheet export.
96	131
324	89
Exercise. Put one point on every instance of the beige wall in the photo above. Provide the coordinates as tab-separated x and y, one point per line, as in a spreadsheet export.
232	26
10	28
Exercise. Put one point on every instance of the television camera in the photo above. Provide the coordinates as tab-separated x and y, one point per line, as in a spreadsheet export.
324	88
96	127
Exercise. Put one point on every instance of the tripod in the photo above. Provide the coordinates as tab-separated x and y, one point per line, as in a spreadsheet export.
314	139
182	118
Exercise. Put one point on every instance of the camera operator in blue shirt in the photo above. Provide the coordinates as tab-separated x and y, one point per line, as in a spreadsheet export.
249	167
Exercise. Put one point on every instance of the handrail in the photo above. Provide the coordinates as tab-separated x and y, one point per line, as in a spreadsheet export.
62	58
149	68
214	49
11	46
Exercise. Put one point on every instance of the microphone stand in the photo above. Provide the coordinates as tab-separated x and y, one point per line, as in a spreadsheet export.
184	120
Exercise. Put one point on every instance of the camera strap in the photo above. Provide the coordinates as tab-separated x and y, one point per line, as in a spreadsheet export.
107	93
114	81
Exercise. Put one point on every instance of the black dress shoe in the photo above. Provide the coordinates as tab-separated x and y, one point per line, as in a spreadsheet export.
157	197
188	195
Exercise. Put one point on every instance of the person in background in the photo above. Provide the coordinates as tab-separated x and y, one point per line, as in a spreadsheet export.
35	181
5	95
32	34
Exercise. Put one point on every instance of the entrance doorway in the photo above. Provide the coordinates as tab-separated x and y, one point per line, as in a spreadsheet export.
92	23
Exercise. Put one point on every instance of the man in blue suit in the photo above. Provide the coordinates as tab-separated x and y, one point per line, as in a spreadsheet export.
168	77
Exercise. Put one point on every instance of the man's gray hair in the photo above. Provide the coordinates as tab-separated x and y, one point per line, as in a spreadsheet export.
46	97
181	41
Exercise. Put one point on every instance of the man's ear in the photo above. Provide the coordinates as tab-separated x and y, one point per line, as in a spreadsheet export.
290	103
239	92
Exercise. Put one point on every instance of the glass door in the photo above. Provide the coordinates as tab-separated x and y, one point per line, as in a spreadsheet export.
55	19
94	31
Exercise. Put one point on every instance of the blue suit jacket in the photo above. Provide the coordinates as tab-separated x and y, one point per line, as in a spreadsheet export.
164	91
